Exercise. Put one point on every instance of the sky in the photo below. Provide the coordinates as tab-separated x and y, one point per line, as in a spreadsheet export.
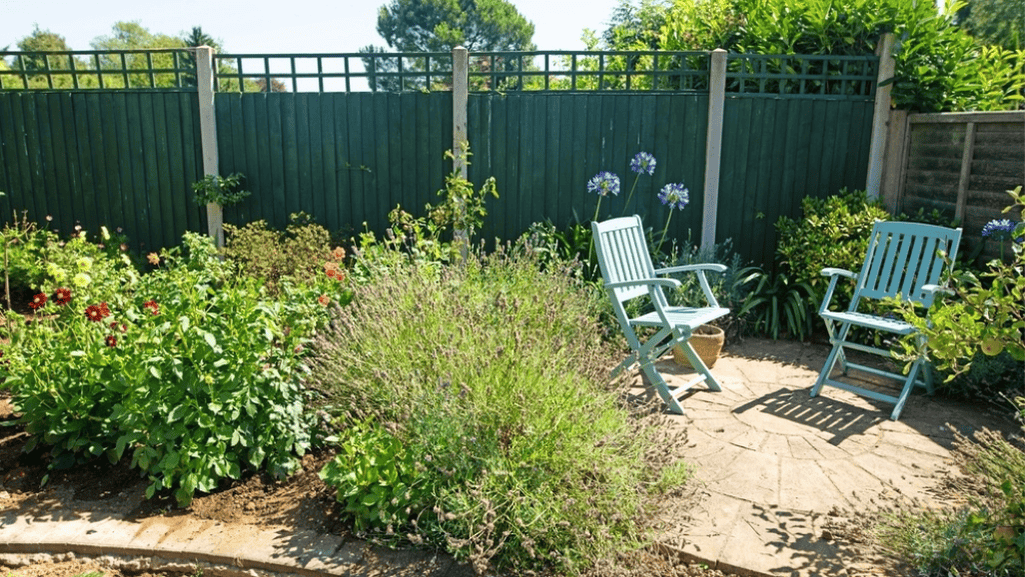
271	26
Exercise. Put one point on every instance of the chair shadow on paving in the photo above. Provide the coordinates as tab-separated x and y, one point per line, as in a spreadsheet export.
828	415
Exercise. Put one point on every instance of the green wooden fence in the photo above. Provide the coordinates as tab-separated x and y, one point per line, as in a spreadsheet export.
119	159
541	123
344	158
543	148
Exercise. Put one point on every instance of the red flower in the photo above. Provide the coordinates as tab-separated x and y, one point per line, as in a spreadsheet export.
111	341
62	295
38	301
97	313
114	326
152	306
330	273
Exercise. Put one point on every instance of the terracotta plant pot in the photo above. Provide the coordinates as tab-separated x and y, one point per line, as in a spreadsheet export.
707	342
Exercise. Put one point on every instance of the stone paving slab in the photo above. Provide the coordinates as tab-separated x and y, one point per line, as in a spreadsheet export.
773	463
239	548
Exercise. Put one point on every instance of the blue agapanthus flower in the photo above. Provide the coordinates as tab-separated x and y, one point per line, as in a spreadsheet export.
643	163
1000	229
603	184
674	195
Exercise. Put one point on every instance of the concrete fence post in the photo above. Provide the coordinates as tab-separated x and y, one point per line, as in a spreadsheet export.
880	117
208	135
460	98
713	145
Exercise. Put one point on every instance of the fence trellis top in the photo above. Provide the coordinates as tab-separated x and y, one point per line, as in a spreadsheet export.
159	69
807	76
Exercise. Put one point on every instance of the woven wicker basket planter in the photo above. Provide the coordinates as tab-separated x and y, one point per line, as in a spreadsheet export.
707	342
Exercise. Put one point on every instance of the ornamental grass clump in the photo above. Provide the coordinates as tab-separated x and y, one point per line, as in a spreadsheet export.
478	417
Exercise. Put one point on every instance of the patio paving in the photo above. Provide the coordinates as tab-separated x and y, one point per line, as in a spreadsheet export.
773	465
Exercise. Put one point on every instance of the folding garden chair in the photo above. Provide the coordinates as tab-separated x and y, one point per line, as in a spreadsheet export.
904	261
628	273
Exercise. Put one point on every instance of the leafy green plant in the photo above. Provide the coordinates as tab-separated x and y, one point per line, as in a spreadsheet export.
222	190
493	377
982	314
380	484
191	372
298	253
779	306
422	239
832	232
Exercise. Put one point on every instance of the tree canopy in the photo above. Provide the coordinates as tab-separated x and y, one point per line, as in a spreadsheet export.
939	66
998	22
441	25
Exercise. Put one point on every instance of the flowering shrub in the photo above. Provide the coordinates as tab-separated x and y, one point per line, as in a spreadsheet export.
189	371
264	253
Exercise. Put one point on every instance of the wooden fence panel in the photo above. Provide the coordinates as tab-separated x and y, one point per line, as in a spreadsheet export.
778	151
101	158
543	148
962	165
343	158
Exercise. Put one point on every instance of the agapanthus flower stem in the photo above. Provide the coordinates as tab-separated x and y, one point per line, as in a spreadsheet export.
665	230
626	207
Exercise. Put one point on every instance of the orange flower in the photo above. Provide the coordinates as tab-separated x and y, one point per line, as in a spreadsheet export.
339	253
153	258
324	300
330	273
330	266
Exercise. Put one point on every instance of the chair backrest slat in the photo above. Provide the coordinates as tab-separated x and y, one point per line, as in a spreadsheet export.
623	254
901	258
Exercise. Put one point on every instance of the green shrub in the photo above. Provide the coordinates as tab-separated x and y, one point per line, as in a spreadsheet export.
832	232
493	376
190	371
299	252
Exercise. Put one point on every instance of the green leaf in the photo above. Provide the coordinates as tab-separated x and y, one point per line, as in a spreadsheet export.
184	322
155	372
176	413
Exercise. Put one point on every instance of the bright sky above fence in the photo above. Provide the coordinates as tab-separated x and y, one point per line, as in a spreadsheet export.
272	26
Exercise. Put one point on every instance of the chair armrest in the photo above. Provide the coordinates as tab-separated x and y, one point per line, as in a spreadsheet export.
702	279
664	282
714	267
935	288
838	272
834	275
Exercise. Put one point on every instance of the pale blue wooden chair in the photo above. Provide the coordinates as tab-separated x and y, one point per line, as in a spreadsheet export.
628	274
904	261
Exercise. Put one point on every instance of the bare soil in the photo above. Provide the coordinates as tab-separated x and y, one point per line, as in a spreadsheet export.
300	502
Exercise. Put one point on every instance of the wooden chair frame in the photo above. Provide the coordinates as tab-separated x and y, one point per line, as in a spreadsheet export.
629	274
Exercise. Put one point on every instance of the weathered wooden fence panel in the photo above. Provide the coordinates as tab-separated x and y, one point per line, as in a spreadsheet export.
778	151
962	165
119	159
543	148
343	158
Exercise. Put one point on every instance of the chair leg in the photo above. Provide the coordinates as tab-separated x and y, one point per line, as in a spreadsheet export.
908	385
836	354
648	366
699	366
